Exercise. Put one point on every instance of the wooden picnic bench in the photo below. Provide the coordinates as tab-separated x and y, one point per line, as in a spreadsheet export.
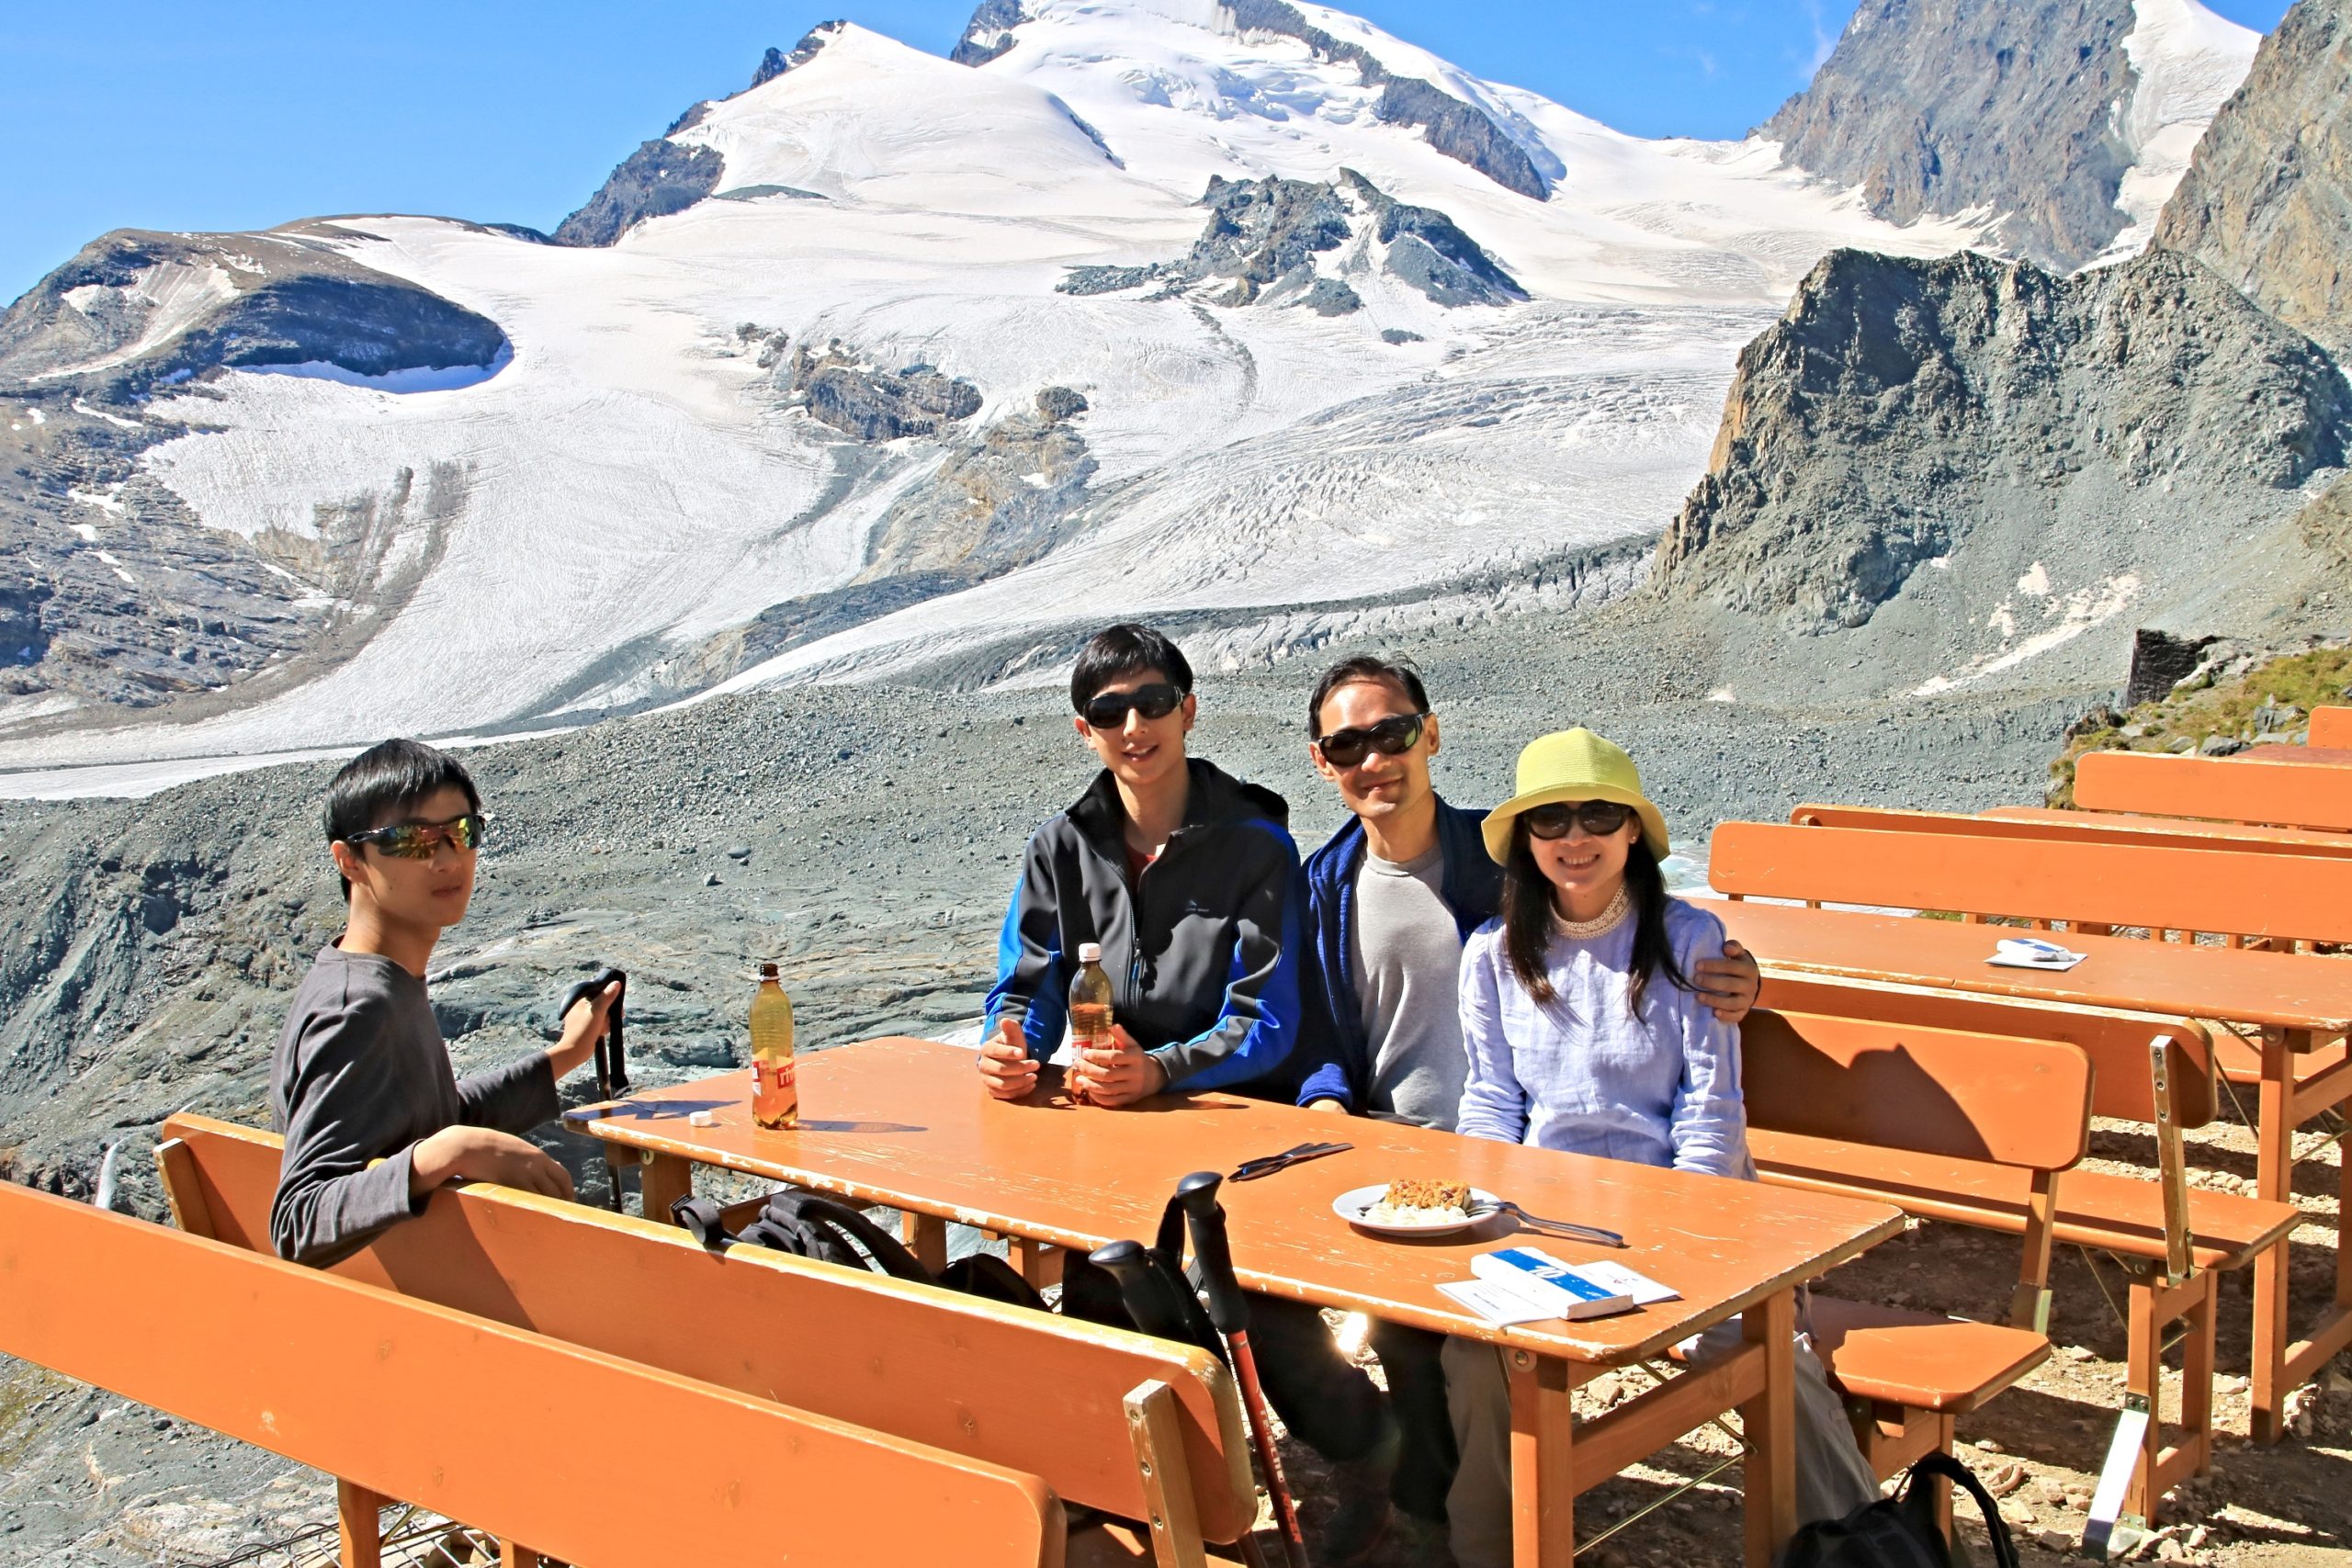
2280	793
476	1418
2078	827
2095	888
1980	1134
2331	727
906	1123
1137	1427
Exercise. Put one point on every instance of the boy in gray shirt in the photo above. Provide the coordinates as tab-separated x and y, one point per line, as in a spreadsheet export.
374	1119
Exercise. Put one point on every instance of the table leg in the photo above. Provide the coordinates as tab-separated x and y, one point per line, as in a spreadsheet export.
2273	1167
663	1180
1542	1469
358	1525
926	1238
1038	1262
1770	1423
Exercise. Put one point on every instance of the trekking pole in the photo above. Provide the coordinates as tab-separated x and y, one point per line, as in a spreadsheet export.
1229	1310
612	1065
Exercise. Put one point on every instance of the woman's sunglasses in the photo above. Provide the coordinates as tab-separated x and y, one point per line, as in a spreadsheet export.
417	840
1108	710
1600	817
1390	738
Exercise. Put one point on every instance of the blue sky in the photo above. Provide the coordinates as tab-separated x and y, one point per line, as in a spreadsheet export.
238	114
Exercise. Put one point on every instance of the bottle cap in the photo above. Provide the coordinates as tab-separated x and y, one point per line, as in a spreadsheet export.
1090	953
767	971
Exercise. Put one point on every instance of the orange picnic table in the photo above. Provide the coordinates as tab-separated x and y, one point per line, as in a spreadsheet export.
905	1123
2169	832
2297	1005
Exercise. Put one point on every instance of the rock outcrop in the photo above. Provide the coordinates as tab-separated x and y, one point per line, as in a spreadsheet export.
1903	412
2267	200
988	34
1263	237
662	175
1943	105
134	310
857	399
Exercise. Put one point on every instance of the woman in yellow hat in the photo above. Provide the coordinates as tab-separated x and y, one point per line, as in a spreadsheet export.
1586	1034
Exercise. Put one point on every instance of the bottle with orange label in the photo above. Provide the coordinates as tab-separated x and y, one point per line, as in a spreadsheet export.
775	1094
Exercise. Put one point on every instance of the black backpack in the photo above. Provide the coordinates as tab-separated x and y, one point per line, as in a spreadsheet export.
809	1224
1899	1531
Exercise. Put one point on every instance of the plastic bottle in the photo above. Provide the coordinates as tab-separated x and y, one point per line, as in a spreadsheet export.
1089	1002
775	1094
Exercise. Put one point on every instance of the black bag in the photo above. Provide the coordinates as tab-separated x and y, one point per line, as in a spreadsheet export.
1898	1531
808	1225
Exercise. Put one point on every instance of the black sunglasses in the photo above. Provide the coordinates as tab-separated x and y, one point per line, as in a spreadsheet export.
1108	710
417	840
1600	817
1391	737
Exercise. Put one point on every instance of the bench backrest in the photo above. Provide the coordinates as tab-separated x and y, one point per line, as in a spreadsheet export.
2225	789
2233	892
1955	1093
2117	1042
2080	827
2331	727
481	1421
1027	1389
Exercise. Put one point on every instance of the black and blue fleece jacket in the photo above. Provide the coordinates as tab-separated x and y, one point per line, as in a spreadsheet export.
1202	955
1334	1060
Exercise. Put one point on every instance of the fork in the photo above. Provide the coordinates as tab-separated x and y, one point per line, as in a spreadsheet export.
1565	1228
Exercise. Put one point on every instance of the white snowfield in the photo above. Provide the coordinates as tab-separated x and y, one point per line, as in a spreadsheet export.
631	483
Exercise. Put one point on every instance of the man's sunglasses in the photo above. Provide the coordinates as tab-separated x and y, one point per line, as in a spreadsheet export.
1108	710
1600	817
417	840
1390	738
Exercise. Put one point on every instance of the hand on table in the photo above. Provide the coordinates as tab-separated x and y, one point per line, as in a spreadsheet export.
1006	1066
1728	985
1328	1106
484	1154
1120	1076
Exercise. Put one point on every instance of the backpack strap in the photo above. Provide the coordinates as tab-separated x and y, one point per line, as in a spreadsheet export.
791	1211
700	1217
1916	1503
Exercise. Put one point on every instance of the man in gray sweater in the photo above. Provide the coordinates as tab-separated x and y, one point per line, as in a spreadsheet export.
375	1118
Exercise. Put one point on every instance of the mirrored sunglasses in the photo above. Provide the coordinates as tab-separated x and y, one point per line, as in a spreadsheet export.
417	840
1108	710
1390	738
1600	817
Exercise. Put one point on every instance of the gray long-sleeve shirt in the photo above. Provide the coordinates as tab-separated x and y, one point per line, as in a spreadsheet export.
360	1074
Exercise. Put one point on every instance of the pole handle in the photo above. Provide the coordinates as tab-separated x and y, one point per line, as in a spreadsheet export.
1229	1308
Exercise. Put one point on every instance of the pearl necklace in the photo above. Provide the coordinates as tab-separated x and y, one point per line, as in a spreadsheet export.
1607	921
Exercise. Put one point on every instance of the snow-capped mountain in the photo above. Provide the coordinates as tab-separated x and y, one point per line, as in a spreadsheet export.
1155	307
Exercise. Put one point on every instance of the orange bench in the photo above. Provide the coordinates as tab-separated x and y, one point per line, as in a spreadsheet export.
2226	789
2079	826
1109	1419
2163	1232
2331	727
474	1419
1982	1128
2096	888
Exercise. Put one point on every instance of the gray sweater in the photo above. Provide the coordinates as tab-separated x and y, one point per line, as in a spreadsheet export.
361	1074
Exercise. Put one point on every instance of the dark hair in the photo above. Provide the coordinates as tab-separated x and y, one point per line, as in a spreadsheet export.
1527	921
1124	650
1397	672
387	776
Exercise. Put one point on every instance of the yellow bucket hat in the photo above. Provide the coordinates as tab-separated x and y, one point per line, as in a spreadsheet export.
1574	764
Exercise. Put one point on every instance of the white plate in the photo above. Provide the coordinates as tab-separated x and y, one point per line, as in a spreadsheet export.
1351	1205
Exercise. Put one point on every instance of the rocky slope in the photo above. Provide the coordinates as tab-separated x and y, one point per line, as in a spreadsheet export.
113	592
2034	111
2007	456
2267	204
1277	242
